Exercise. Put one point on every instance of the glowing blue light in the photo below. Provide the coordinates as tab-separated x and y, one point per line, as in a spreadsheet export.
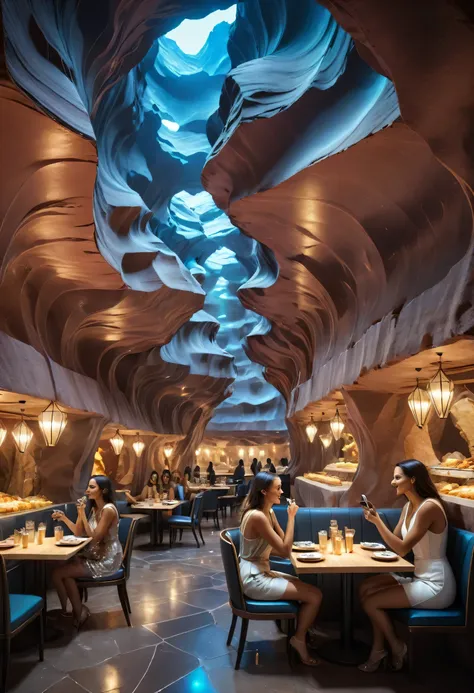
192	34
170	124
221	317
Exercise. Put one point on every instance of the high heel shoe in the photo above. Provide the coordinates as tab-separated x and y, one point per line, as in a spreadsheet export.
398	658
376	660
298	645
85	613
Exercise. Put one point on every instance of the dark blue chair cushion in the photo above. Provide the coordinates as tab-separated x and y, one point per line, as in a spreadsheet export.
181	521
115	576
22	607
125	524
453	616
271	607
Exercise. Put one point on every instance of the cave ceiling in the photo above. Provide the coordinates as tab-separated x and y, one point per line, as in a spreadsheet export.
206	203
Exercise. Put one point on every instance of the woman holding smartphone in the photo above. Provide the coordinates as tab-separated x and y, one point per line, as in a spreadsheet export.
261	535
423	528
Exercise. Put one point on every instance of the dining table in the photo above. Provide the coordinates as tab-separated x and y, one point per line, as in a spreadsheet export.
156	510
347	650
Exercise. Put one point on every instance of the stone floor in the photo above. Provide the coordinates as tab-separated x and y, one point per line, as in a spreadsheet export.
178	642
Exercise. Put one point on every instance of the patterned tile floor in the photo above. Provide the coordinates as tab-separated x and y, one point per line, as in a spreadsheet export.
177	643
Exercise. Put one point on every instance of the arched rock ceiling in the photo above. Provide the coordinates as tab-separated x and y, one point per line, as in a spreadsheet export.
186	296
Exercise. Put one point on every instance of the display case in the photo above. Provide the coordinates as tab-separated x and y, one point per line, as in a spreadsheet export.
454	478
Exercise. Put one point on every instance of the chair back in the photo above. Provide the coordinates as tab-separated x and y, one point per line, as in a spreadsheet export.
230	546
4	600
242	490
127	528
211	500
179	492
197	509
460	553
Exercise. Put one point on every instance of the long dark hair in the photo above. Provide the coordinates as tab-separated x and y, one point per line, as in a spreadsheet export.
424	486
188	471
153	473
255	499
108	493
166	472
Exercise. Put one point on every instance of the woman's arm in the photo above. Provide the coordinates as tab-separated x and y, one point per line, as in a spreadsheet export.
398	529
423	521
76	527
262	527
105	522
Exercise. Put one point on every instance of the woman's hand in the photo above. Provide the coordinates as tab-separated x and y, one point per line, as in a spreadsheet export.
371	514
292	509
58	515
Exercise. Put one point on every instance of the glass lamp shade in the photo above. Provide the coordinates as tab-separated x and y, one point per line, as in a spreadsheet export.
138	446
168	451
117	442
337	426
22	435
3	433
326	439
441	391
420	404
311	430
52	422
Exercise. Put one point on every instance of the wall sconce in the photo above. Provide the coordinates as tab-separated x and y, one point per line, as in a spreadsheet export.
241	452
138	446
117	442
420	403
441	391
311	430
52	422
337	425
168	450
22	434
251	452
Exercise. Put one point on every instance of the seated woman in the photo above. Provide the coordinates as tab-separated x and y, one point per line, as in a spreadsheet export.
101	557
269	466
239	472
197	473
150	490
261	535
167	486
423	527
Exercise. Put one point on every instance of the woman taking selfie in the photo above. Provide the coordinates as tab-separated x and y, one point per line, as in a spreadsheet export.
150	490
261	535
423	528
101	557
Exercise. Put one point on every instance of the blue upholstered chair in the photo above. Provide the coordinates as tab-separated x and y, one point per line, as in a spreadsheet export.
183	522
459	617
211	505
249	609
16	612
127	528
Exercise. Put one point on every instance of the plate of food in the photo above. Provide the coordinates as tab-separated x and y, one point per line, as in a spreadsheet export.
311	557
7	544
169	502
387	556
71	541
372	546
304	546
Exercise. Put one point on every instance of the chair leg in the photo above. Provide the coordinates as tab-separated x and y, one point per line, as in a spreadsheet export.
41	637
243	638
171	536
5	663
180	534
128	601
86	594
217	520
200	533
231	629
289	650
122	591
195	537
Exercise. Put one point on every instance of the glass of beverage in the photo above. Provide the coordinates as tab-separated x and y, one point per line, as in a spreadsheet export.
41	533
58	533
17	537
349	540
30	528
24	538
337	546
323	541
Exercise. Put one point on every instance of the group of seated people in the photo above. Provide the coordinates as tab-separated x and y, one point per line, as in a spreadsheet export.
422	528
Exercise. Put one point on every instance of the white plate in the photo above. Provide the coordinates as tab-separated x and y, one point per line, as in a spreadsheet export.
7	544
311	557
73	541
372	546
304	546
385	556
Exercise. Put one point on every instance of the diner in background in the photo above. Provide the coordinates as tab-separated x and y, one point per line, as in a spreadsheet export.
98	519
423	529
239	472
261	535
282	468
149	491
197	474
256	466
211	475
269	466
167	485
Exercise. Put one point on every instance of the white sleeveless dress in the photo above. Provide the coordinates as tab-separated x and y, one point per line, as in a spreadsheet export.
433	585
258	581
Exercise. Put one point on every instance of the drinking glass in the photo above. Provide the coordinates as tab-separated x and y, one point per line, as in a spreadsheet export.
349	540
24	538
41	533
337	546
58	533
17	537
30	528
323	541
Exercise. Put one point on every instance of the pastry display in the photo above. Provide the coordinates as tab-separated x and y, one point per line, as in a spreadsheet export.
455	463
347	466
16	504
323	478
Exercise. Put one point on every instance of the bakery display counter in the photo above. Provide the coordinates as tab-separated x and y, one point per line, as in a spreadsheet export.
319	490
10	505
345	471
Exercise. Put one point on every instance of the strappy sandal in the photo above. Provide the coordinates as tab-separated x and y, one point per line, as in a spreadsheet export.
376	660
296	645
85	613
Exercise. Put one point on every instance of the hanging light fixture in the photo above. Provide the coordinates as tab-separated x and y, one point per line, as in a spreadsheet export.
168	450
337	425
198	452
420	403
441	391
325	438
311	430
117	442
138	446
52	422
3	433
22	434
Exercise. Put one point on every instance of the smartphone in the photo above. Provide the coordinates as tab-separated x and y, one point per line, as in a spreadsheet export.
364	501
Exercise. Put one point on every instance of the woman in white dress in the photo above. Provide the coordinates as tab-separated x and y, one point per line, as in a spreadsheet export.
423	528
261	535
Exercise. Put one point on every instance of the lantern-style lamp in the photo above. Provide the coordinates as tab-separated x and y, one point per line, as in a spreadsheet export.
337	425
117	442
420	403
3	433
168	450
441	391
22	434
326	439
311	430
138	446
52	422
198	452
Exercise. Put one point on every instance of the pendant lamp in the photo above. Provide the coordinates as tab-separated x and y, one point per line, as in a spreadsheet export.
138	446
326	439
117	442
22	434
311	430
3	433
168	450
420	403
441	391
337	426
198	452
52	422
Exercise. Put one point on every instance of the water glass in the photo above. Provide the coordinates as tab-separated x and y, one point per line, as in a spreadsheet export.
17	537
58	533
30	528
337	543
41	533
349	540
323	541
24	538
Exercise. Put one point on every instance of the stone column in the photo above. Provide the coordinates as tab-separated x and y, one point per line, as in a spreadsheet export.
305	456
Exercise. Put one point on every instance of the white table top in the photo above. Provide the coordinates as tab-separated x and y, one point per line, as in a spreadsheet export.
158	506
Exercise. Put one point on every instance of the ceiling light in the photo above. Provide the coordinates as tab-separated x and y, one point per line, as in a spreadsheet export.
420	403
52	422
441	391
337	426
168	450
138	446
22	434
311	430
326	439
198	452
117	442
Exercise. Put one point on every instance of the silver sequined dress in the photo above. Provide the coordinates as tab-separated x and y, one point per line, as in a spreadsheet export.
104	558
